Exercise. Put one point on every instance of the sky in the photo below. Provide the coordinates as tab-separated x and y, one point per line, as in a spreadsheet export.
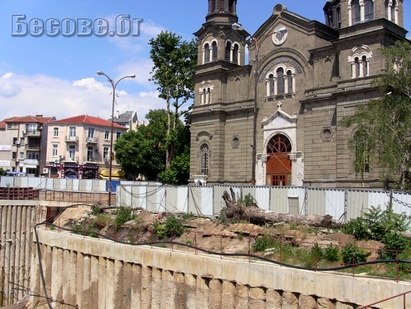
51	73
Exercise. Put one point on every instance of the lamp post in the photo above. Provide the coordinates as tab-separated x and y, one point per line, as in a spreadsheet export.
257	44
114	86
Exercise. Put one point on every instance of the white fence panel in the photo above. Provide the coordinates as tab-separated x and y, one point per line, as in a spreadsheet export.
279	199
335	204
316	198
7	181
300	193
207	201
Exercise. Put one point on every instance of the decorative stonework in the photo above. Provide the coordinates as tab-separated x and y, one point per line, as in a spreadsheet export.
280	35
326	134
281	60
235	142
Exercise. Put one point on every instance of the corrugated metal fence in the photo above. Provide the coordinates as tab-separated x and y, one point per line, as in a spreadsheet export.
343	204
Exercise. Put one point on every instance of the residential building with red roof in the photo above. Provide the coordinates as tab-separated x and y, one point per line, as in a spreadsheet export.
79	147
20	143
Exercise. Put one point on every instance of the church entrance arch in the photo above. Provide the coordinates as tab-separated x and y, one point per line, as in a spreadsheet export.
278	168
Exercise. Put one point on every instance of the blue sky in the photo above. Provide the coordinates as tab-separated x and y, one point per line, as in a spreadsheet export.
56	76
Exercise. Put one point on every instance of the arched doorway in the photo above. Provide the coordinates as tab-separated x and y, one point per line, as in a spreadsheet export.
278	168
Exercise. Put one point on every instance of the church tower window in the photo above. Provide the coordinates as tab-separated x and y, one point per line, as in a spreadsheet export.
206	53
360	61
214	50
204	152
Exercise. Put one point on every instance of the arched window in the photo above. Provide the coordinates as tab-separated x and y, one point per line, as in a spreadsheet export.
215	50
368	10
206	92
390	10
364	66
338	10
360	61
357	67
204	163
355	12
362	151
206	53
235	53
228	51
279	144
280	81
289	82
270	85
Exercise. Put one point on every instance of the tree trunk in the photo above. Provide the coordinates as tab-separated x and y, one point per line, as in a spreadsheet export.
255	215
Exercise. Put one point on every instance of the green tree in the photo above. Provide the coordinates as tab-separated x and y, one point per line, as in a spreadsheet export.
3	172
142	152
383	125
174	66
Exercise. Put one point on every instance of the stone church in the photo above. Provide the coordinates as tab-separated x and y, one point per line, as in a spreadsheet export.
275	120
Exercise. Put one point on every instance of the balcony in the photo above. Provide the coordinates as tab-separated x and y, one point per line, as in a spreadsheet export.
31	133
70	158
92	140
71	139
32	147
33	162
91	159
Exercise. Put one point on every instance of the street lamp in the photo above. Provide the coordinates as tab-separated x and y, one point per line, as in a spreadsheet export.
114	86
257	44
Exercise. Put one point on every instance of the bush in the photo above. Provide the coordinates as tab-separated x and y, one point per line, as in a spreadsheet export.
317	253
331	253
357	227
263	243
351	254
123	215
174	227
394	243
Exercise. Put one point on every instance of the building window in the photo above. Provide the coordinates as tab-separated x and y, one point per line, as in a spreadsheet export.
204	150
72	152
54	150
270	85
362	152
32	127
206	53
106	135
368	10
90	154
206	92
232	51
360	61
228	51
355	12
118	135
105	153
391	10
55	132
214	50
72	131
282	82
90	132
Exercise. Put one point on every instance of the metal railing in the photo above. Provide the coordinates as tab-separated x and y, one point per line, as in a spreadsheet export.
385	299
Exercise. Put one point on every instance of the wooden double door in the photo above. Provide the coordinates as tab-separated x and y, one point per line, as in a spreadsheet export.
278	168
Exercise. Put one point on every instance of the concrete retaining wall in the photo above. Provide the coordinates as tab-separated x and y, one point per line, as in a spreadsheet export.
95	273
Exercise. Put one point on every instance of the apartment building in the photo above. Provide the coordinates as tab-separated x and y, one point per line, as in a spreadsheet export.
79	147
20	143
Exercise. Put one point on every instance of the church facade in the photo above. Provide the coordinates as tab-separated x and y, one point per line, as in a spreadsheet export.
275	120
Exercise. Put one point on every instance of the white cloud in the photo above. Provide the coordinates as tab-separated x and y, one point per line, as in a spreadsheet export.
8	88
50	96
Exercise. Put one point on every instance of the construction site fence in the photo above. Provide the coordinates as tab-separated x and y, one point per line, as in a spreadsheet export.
342	204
